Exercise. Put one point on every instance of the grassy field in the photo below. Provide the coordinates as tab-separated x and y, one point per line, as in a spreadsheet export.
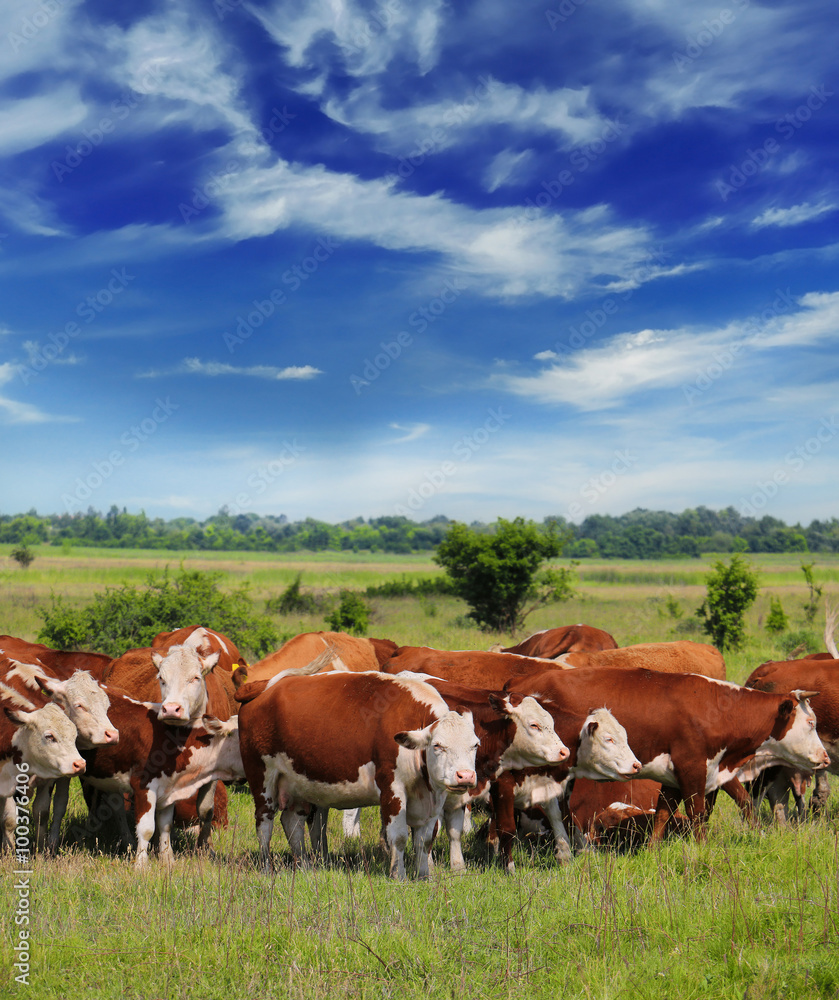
749	914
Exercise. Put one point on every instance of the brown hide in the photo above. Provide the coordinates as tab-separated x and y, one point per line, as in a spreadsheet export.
229	656
475	668
357	654
61	663
553	642
681	657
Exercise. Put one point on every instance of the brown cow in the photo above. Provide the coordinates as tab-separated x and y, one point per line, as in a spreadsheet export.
822	676
621	813
553	642
206	641
693	733
348	652
680	657
343	740
62	661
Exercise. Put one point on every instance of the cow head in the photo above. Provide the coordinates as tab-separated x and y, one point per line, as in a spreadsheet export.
604	751
183	689
225	755
450	746
794	738
86	705
46	739
535	742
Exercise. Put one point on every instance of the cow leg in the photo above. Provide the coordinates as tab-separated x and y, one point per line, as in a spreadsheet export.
821	793
317	832
145	801
41	812
163	820
693	793
743	800
9	823
394	809
205	803
502	796
294	824
422	837
562	843
455	819
60	797
351	822
668	803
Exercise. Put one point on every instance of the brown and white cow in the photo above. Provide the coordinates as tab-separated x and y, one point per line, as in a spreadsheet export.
38	743
85	703
553	642
342	652
160	765
206	641
186	686
63	662
621	813
821	675
344	740
693	733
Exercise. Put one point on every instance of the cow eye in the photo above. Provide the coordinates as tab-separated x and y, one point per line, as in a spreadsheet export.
439	747
536	726
50	738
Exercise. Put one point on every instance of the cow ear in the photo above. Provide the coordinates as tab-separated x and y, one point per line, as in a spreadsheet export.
592	726
16	718
500	703
786	707
416	739
157	658
208	662
48	686
213	725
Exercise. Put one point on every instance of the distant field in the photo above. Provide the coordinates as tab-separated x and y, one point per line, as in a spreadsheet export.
751	914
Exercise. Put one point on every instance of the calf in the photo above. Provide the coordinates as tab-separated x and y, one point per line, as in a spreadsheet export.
619	812
343	740
692	733
161	765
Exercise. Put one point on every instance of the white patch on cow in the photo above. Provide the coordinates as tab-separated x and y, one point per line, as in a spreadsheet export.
18	700
801	747
604	751
290	786
537	789
535	741
713	777
46	739
421	692
660	768
27	673
630	810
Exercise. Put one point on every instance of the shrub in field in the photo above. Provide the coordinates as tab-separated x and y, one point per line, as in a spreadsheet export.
293	600
352	614
811	605
403	587
23	556
776	620
800	643
126	617
500	575
731	590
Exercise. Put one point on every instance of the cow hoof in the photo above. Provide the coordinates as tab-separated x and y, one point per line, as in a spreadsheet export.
563	854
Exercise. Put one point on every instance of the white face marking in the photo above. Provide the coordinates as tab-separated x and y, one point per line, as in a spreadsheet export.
86	704
47	741
183	690
450	746
604	751
801	747
535	742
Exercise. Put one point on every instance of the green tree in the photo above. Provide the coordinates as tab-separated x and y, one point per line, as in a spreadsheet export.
23	556
500	575
811	605
731	590
776	620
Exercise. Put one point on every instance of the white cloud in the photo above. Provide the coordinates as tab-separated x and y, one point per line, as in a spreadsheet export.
795	215
507	168
412	432
213	369
29	122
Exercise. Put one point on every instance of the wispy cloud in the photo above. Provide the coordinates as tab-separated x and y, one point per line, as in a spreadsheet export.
213	369
792	216
412	432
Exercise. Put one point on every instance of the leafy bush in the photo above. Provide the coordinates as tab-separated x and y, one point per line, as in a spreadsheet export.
23	556
352	614
731	590
498	575
776	620
811	605
294	601
800	642
127	617
404	587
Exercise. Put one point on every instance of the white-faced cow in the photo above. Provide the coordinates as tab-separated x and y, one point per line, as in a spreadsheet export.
344	740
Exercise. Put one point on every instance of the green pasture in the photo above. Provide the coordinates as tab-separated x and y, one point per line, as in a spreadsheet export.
751	914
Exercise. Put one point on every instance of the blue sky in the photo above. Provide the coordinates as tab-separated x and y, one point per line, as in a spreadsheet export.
331	258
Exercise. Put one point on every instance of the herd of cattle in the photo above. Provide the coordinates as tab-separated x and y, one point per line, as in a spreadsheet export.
566	731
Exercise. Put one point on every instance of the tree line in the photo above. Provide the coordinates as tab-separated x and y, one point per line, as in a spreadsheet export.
639	534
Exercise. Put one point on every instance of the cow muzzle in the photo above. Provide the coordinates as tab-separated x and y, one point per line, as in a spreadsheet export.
464	780
172	714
